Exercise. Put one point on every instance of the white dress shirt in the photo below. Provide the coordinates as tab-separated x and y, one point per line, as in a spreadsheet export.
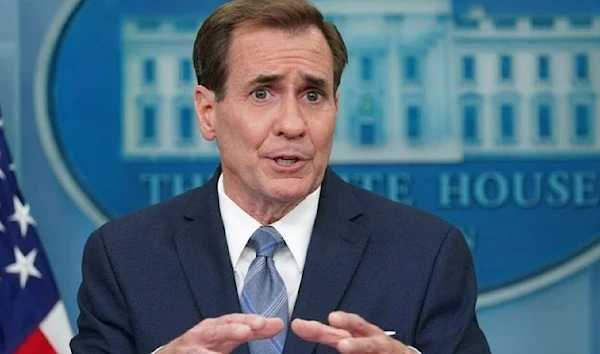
295	228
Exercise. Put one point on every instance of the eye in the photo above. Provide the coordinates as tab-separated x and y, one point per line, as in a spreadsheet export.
260	94
313	96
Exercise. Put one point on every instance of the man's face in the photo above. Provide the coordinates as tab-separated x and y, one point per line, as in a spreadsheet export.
275	125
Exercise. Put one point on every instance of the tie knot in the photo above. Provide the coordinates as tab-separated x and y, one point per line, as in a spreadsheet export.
265	241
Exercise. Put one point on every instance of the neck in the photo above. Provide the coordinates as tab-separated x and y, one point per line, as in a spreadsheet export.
265	211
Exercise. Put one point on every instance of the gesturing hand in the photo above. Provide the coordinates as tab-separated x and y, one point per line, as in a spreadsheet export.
349	334
223	334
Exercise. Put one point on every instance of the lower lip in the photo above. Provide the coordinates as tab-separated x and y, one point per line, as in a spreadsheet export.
296	166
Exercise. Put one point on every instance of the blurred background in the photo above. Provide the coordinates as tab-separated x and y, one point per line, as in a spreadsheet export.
483	112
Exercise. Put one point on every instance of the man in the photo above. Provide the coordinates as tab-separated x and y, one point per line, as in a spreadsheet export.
275	232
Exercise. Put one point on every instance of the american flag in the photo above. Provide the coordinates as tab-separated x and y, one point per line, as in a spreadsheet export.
32	316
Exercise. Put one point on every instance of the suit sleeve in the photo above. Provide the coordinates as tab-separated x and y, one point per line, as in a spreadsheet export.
448	323
103	321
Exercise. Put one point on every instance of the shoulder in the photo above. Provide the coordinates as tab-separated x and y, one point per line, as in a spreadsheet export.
156	223
376	211
399	226
394	214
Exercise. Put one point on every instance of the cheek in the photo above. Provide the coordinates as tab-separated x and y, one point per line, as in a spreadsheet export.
238	129
246	142
323	132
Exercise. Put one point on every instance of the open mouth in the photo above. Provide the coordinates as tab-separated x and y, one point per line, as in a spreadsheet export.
286	161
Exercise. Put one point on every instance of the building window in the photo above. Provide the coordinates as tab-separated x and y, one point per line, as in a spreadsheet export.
366	106
466	23
543	68
185	70
149	122
366	65
367	121
581	67
414	129
411	69
542	111
506	70
542	23
505	23
506	111
544	115
468	68
581	22
186	124
470	124
582	122
149	71
367	133
507	122
470	108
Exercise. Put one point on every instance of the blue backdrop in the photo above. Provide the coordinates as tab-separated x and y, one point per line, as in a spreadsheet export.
452	110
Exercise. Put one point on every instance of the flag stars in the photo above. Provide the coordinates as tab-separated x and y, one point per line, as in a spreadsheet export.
24	266
22	216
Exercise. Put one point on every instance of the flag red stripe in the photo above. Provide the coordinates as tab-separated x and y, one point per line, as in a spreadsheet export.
36	343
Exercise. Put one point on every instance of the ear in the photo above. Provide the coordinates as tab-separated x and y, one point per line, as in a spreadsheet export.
205	104
337	101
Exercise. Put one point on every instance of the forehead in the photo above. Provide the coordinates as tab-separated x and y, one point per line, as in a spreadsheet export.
260	50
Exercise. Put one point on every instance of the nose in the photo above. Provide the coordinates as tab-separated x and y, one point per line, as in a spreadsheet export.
291	121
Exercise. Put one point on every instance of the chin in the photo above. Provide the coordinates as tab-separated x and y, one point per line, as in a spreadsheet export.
289	191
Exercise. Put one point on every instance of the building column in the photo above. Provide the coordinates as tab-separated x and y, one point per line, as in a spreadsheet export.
393	110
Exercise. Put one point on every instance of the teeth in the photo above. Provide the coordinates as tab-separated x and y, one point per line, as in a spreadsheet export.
286	161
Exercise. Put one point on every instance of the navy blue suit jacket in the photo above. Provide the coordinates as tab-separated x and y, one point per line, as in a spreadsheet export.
152	275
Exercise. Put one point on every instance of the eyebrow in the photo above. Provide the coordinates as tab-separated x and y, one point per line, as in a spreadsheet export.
264	79
316	82
312	80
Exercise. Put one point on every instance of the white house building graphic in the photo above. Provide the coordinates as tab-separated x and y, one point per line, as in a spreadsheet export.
423	84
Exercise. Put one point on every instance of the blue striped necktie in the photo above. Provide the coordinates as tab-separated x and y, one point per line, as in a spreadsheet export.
264	292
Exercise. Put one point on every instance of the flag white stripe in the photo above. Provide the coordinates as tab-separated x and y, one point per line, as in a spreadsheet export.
57	329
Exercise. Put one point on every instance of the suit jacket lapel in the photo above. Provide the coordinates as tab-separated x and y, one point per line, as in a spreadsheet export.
204	256
334	252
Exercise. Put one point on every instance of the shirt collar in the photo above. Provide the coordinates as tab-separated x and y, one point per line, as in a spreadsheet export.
295	227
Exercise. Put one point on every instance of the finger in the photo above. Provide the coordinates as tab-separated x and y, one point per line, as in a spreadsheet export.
269	328
206	338
190	350
210	335
204	351
317	332
354	324
241	318
257	329
381	344
261	326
